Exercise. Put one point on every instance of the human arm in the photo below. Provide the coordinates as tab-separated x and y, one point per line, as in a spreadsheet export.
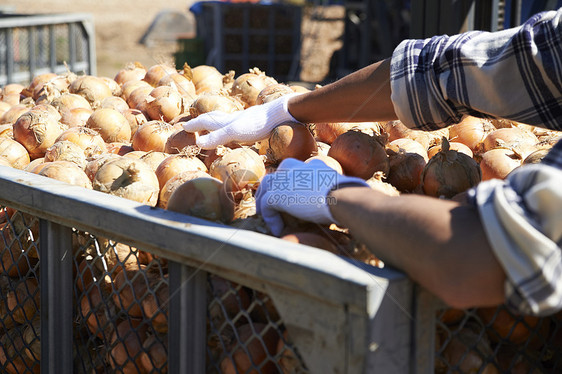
439	243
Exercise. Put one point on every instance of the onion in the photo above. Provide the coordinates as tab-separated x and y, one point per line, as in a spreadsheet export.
291	140
138	98
131	72
214	101
13	99
152	136
30	166
128	178
181	83
323	148
93	89
23	301
175	164
113	86
272	92
97	162
135	118
38	81
13	152
207	79
69	101
329	161
118	148
504	326
155	303
327	132
110	124
76	117
471	131
7	130
405	169
312	239
449	172
53	88
64	171
37	130
164	103
156	72
408	145
498	163
396	130
518	139
536	156
204	198
247	86
251	354
377	183
175	181
12	357
65	150
4	107
152	158
128	87
126	343
138	154
154	355
89	140
12	114
456	146
359	154
180	140
114	102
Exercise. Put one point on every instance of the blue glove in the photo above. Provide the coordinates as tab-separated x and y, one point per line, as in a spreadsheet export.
301	190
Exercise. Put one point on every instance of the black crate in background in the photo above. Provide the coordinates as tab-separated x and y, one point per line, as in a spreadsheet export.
241	36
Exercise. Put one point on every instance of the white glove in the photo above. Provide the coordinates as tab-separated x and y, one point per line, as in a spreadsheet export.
249	125
301	190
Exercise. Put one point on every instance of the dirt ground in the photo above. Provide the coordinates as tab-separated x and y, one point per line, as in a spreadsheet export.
119	25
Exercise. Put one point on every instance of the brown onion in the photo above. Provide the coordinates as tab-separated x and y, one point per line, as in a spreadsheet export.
64	171
95	163
449	172
89	140
329	161
15	111
128	178
204	198
118	148
272	92
207	79
129	87
131	72
126	343
327	132
214	101
76	117
13	152
408	145
135	118
247	86
515	138
154	355
115	102
152	158
38	81
180	140
93	89
69	101
152	136
110	124
4	107
498	163
156	72
291	140
65	150
456	146
113	86
181	83
312	239
174	182
536	156
359	154
405	169
471	131
137	98
175	164
37	130
164	103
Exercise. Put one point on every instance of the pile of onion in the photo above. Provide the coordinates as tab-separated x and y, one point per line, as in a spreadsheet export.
407	159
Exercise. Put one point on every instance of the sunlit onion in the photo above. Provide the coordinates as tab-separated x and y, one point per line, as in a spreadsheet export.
115	102
471	131
13	152
207	79
93	89
15	111
498	163
179	140
65	171
248	86
152	136
110	124
37	131
456	146
518	139
156	72
131	72
291	140
181	83
175	181
330	161
272	92
65	150
89	140
175	164
151	158
214	101
135	118
164	103
128	87
76	117
119	148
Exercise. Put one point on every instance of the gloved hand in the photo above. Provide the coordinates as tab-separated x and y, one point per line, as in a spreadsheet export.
301	190
249	125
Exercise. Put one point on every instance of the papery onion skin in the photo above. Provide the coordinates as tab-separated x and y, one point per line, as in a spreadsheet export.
498	163
183	85
92	88
456	146
173	183
110	124
164	103
89	140
131	72
175	164
210	102
207	78
12	114
273	92
128	178
156	72
471	131
37	131
179	140
65	150
15	153
247	86
204	198
449	173
152	136
65	171
359	154
152	158
291	140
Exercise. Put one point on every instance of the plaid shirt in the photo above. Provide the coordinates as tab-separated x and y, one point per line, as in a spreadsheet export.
514	74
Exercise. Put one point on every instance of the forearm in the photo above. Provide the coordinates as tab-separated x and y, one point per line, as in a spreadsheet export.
361	96
439	243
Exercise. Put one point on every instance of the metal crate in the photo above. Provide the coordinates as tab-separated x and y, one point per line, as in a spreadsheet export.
217	292
240	36
36	44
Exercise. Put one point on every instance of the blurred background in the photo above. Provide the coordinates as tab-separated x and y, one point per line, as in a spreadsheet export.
292	40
